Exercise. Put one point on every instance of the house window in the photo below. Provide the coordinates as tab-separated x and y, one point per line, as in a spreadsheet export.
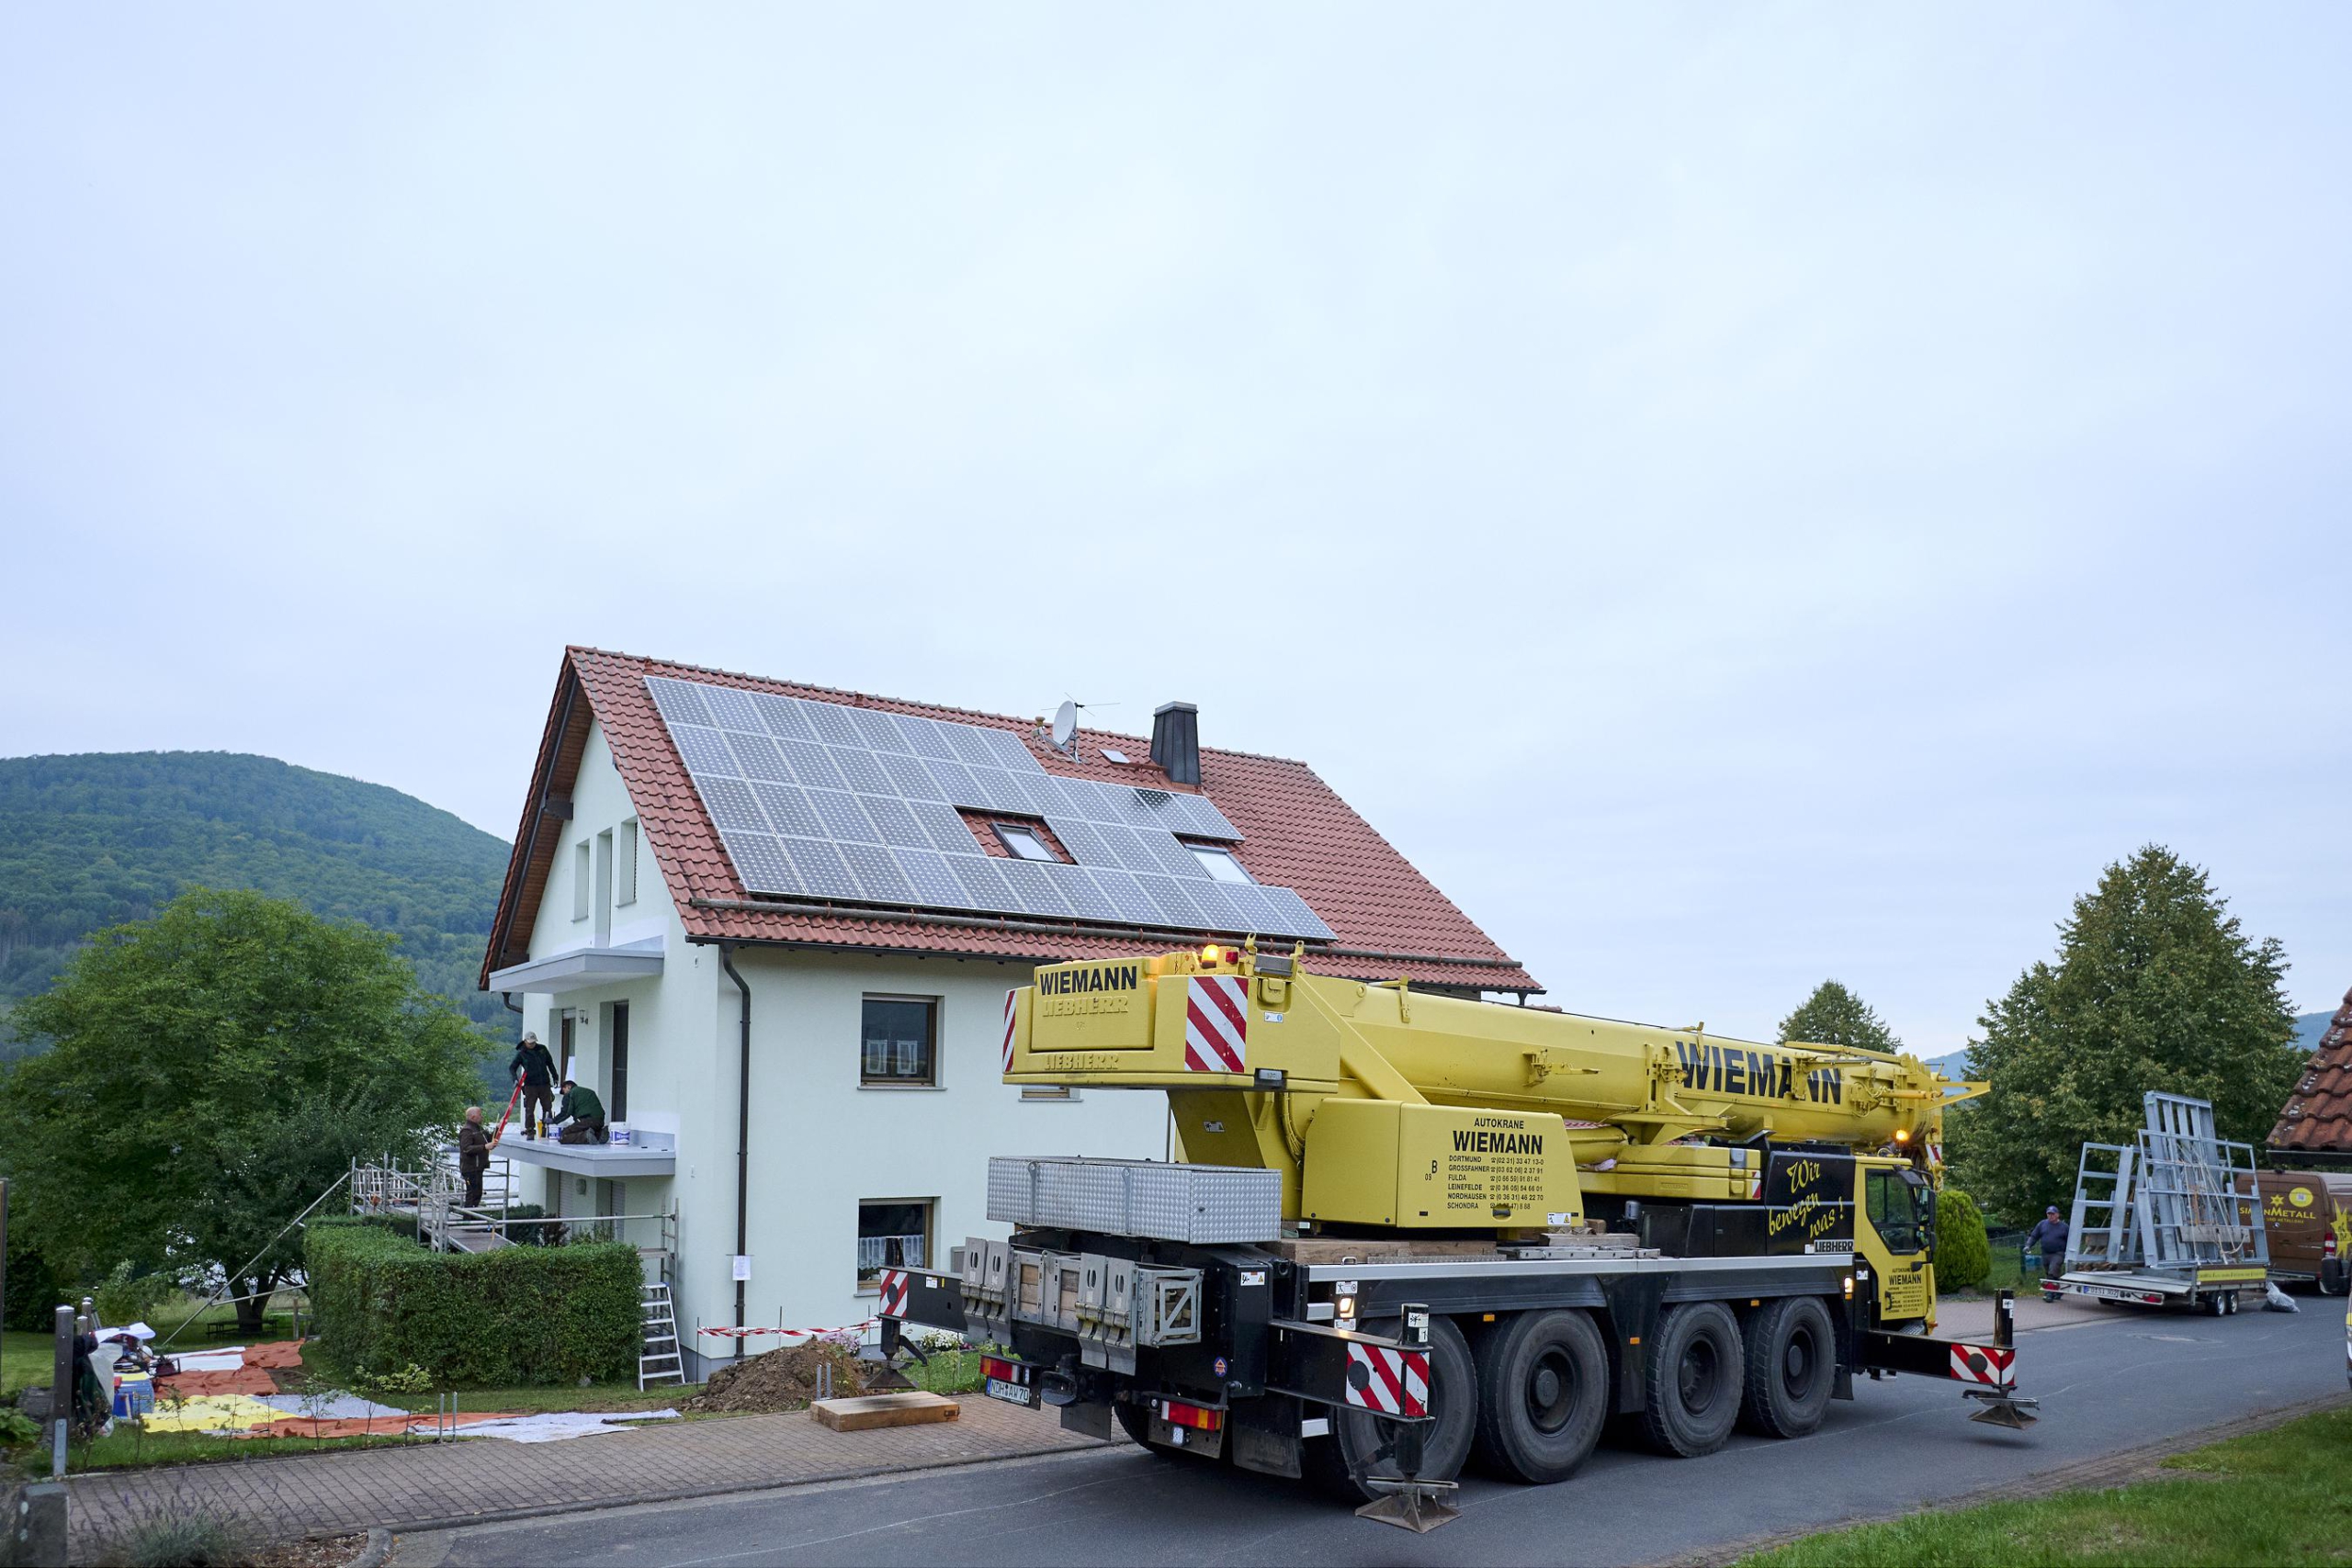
892	1232
581	871
1024	843
899	1039
1219	862
625	870
616	1105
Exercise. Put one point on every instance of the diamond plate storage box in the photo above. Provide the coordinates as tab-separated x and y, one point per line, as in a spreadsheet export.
1204	1204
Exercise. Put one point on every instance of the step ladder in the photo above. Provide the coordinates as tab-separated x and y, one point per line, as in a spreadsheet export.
658	1359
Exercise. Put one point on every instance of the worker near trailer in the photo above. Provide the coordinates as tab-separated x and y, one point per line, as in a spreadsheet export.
2051	1236
585	1112
535	1069
474	1155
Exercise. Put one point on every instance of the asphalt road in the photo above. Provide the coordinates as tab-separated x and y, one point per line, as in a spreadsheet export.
2107	1380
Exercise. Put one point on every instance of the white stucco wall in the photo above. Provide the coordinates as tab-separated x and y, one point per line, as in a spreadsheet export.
820	1142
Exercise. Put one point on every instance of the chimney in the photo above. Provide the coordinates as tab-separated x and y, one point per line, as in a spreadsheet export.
1176	741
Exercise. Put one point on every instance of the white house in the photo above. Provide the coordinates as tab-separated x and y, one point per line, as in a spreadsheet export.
772	926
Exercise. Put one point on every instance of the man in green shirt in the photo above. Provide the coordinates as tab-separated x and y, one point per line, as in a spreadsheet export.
583	1112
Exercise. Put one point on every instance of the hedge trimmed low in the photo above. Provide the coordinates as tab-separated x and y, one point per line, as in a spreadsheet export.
519	1316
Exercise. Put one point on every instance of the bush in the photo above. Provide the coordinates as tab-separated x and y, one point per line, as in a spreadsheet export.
129	1296
35	1290
1962	1254
519	1316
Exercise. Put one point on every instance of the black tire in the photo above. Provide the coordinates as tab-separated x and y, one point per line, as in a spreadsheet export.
2211	1306
1694	1382
1544	1385
1791	1366
1337	1463
1135	1422
2329	1280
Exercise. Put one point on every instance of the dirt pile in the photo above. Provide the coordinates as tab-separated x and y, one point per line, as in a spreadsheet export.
781	1379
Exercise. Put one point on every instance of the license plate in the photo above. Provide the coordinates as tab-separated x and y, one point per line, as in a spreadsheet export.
1011	1392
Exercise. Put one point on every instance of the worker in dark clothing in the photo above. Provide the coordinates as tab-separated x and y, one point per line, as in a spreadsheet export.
474	1155
585	1112
535	1069
2051	1236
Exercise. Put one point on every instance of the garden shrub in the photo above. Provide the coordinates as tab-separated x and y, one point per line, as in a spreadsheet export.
519	1316
1964	1256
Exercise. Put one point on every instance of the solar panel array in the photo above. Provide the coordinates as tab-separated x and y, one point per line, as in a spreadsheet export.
818	800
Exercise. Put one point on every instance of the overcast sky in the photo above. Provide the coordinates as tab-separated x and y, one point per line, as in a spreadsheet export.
1737	494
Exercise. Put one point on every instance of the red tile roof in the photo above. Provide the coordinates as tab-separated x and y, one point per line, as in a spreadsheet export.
1387	918
2318	1115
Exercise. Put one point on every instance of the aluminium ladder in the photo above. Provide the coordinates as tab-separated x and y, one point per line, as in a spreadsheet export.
659	1360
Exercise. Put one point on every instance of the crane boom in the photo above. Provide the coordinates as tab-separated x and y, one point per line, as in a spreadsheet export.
1385	1106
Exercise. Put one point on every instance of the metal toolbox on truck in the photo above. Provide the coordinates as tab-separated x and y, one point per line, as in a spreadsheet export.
1206	1205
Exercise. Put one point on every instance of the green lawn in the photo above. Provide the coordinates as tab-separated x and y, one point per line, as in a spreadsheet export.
2273	1497
949	1372
25	1358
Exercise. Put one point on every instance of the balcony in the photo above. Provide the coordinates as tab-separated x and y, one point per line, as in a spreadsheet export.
580	968
645	1154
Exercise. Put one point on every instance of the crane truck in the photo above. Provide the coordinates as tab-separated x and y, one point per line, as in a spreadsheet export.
1407	1229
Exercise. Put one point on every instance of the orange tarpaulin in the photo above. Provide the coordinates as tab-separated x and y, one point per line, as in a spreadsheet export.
252	1378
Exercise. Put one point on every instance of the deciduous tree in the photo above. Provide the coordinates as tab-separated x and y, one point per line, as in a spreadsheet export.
1835	1016
210	1072
2155	987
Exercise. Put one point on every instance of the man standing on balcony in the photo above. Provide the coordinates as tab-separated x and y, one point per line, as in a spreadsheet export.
474	1155
585	1112
535	1068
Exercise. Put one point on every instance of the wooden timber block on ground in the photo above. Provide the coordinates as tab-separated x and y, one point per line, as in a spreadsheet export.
884	1410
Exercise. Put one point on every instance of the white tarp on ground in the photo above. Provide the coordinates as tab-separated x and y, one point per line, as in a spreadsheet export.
227	1360
556	1426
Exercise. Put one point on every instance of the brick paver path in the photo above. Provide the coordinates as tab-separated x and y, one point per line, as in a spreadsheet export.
437	1485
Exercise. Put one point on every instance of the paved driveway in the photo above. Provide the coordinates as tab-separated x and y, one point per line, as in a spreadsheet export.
2108	1380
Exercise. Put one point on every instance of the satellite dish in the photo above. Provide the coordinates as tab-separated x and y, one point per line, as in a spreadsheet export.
1066	727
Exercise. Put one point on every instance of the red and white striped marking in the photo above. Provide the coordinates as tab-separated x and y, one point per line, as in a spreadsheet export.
893	1285
724	1333
1216	1024
1393	1382
1985	1364
1011	1012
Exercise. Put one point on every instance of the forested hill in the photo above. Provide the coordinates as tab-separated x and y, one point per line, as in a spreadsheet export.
91	840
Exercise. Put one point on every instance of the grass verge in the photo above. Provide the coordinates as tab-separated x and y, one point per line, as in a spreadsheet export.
2269	1497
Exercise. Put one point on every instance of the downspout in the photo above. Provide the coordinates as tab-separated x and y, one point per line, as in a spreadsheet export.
743	1133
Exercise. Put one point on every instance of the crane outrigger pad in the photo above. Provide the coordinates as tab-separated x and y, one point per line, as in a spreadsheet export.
1417	1506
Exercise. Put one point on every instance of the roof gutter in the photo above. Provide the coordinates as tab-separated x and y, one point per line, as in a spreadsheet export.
1050	927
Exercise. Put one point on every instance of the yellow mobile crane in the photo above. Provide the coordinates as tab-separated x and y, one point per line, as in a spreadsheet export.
1407	1226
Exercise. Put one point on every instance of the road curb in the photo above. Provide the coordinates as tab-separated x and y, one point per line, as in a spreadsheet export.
378	1550
2142	1464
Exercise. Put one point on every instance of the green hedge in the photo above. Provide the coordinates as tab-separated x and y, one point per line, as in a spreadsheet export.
519	1316
1963	1257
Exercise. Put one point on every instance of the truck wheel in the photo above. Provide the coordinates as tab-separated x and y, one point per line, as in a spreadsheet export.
1543	1396
1692	1384
1337	1463
1791	1366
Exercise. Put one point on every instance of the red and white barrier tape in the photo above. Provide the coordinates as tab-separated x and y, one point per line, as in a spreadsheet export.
794	1333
